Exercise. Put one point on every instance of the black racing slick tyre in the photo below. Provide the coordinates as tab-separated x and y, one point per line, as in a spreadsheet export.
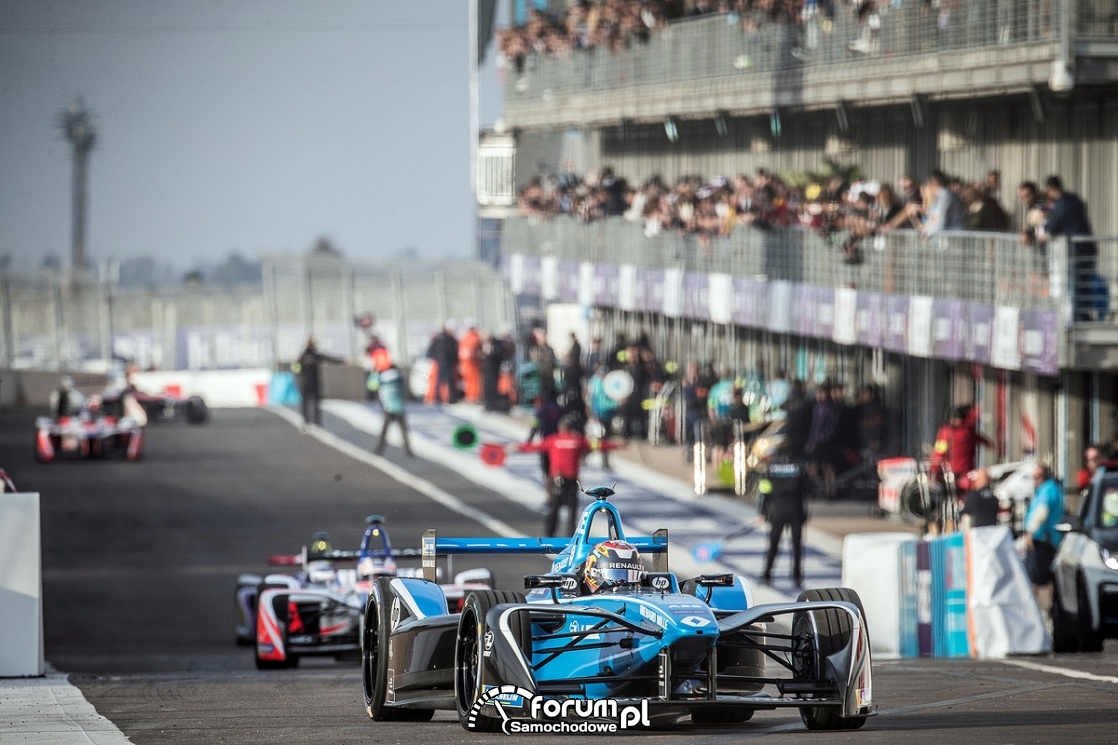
374	659
196	410
468	649
812	643
1090	638
1065	629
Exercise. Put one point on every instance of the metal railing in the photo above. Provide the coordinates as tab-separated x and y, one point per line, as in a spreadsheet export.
730	58
995	269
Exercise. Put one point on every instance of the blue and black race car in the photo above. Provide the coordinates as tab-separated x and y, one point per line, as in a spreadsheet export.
604	641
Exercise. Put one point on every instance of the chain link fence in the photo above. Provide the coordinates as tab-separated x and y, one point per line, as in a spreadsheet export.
56	321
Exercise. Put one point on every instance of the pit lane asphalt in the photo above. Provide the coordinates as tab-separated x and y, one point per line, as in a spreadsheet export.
139	561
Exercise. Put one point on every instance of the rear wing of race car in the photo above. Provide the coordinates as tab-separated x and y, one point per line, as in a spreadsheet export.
337	556
433	547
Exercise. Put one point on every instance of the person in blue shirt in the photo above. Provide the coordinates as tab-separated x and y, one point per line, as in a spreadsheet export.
1046	510
393	400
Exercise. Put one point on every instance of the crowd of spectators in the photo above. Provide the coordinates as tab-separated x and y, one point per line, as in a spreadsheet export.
832	206
616	25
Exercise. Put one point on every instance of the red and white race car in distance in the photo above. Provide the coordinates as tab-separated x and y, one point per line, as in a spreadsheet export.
87	433
319	609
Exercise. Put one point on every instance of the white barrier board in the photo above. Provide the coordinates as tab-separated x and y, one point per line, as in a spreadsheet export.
871	567
21	586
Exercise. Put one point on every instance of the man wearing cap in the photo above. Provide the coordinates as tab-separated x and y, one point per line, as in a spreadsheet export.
782	503
392	400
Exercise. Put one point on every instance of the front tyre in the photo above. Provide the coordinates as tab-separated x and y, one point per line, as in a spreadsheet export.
815	636
374	659
468	649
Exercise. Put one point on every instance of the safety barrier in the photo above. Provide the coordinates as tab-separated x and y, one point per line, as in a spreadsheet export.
21	586
959	595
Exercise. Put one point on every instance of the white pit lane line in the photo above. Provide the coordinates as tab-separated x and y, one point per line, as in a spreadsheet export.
1067	673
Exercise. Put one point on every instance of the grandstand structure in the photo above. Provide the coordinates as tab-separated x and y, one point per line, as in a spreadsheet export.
1025	87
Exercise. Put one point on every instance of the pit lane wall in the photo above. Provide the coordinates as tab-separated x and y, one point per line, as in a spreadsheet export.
21	586
960	595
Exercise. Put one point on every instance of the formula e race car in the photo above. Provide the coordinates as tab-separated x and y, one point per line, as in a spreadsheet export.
87	433
318	610
602	644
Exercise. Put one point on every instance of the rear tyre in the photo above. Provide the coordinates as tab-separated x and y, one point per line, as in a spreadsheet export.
374	659
813	643
1090	638
468	650
196	410
1065	633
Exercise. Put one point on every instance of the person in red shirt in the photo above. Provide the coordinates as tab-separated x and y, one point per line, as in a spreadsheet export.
956	446
566	450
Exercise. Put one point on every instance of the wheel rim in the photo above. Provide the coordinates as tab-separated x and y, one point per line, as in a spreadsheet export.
369	658
469	666
803	650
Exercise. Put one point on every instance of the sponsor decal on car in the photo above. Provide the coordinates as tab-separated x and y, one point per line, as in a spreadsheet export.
572	716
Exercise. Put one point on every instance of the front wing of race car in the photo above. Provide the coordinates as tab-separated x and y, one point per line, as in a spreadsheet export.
818	655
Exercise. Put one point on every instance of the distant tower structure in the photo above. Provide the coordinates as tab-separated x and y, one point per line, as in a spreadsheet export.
77	127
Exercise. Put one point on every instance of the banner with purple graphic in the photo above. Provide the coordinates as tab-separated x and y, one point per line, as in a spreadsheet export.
824	312
530	276
980	333
568	280
651	297
751	301
871	319
695	304
1039	340
605	285
895	336
803	308
948	328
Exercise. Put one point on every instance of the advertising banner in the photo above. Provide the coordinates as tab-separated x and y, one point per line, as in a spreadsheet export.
627	287
920	326
948	329
845	327
895	337
720	294
605	284
549	277
980	333
672	305
1038	343
695	304
871	317
568	280
803	308
779	307
1006	353
824	312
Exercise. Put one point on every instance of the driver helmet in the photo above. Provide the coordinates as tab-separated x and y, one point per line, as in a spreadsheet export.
320	544
321	572
613	565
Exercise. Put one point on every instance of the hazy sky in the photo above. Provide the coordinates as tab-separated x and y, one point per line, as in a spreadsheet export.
240	126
